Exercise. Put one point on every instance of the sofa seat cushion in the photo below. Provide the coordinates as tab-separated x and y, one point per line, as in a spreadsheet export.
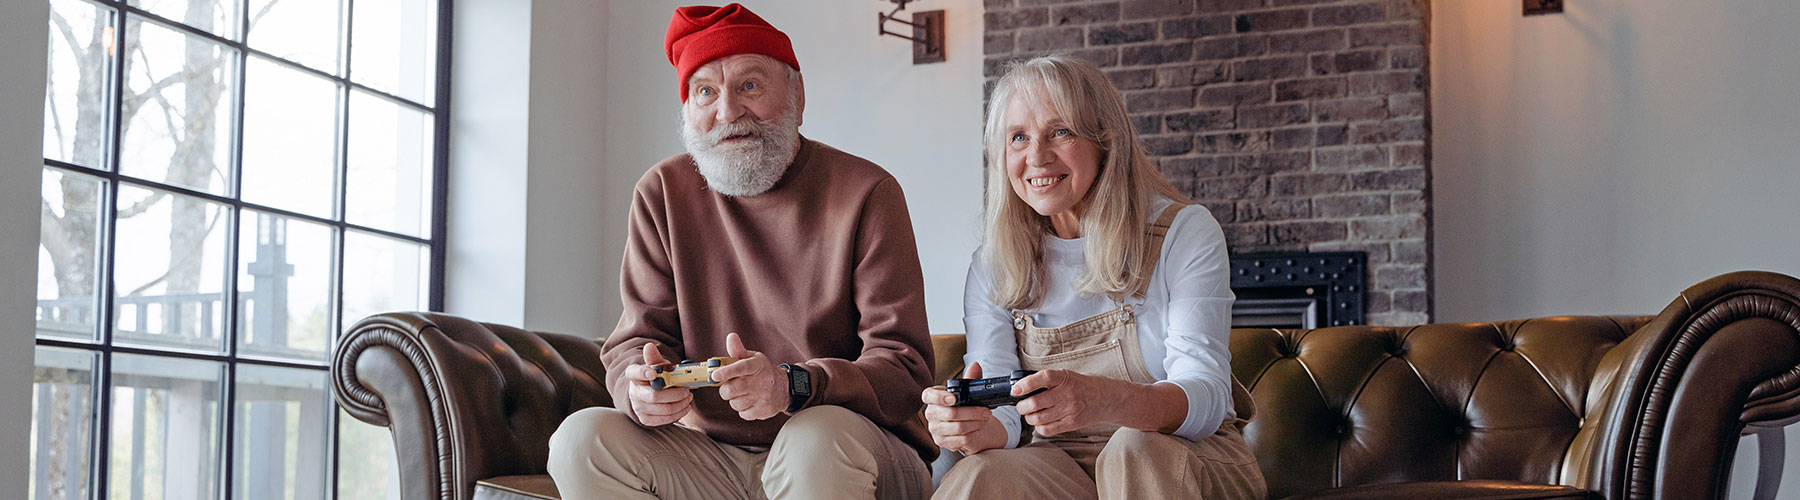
1475	489
535	487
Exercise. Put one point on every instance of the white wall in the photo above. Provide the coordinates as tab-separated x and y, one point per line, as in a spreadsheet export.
22	44
484	274
1602	160
525	178
863	95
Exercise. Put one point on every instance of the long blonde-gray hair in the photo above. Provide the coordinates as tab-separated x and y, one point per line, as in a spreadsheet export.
1115	222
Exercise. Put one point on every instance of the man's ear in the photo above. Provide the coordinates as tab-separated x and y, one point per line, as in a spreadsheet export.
800	102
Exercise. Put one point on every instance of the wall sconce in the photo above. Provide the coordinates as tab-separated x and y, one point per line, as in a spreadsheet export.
927	32
1539	7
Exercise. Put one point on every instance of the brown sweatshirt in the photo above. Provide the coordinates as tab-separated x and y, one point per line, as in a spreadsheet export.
821	271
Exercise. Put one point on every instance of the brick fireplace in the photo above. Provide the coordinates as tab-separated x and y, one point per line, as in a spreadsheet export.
1301	124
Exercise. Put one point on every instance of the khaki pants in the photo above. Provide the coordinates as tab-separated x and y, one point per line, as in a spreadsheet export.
822	452
1131	464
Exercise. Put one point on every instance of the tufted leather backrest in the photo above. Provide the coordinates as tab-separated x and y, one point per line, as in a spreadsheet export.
1359	405
1628	408
464	400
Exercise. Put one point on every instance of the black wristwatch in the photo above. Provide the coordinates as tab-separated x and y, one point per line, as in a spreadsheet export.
799	386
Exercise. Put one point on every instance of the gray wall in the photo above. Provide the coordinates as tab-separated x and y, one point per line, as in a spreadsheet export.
527	198
22	45
1602	160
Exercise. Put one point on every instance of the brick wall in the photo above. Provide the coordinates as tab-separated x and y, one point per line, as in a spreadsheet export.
1300	123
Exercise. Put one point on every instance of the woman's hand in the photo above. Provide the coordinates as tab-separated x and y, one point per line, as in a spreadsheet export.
1073	400
965	429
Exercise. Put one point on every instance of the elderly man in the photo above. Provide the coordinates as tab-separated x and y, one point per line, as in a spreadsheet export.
794	258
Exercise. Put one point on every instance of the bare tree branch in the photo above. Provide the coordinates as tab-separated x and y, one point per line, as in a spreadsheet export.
68	34
168	110
194	251
55	113
142	206
134	101
261	12
156	88
54	237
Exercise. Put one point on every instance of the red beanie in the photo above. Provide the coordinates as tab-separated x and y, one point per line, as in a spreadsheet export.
701	34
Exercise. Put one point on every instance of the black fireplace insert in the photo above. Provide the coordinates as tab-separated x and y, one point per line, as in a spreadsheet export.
1297	289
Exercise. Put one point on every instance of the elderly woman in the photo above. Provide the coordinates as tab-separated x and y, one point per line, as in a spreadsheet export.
1097	274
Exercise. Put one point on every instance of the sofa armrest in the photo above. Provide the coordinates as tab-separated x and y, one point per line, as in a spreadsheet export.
1667	405
948	349
463	400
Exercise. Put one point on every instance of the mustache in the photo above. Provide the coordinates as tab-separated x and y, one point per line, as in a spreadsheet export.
756	128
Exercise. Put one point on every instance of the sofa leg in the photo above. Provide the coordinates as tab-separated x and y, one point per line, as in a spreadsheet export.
1771	448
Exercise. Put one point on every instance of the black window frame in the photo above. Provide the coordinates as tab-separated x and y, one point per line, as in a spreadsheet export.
102	346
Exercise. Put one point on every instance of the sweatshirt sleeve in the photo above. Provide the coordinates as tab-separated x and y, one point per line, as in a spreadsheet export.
990	338
647	292
1198	357
895	365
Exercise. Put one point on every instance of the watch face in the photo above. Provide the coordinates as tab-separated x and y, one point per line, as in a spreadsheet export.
799	381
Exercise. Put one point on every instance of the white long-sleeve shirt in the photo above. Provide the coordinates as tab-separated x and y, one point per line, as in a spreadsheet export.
1183	324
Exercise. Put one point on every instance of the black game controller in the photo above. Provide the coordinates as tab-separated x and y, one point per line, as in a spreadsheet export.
989	392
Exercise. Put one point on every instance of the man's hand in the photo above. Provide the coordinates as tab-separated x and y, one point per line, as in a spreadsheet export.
755	386
656	407
1073	400
965	429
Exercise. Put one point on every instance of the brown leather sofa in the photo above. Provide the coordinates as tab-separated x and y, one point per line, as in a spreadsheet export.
1564	407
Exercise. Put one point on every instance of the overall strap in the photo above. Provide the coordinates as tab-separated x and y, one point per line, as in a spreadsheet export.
1153	248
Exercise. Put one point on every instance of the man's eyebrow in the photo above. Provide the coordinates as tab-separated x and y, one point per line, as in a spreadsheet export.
755	70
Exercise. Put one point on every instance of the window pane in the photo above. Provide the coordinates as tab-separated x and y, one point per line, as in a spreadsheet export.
81	42
68	291
382	274
394	47
170	271
177	108
390	166
306	32
290	139
365	461
215	16
165	428
62	422
284	286
280	444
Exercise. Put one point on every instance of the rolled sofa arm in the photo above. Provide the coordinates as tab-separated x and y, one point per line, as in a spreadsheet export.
464	400
1667	405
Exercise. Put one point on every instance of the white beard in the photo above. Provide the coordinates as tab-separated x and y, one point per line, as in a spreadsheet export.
750	168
